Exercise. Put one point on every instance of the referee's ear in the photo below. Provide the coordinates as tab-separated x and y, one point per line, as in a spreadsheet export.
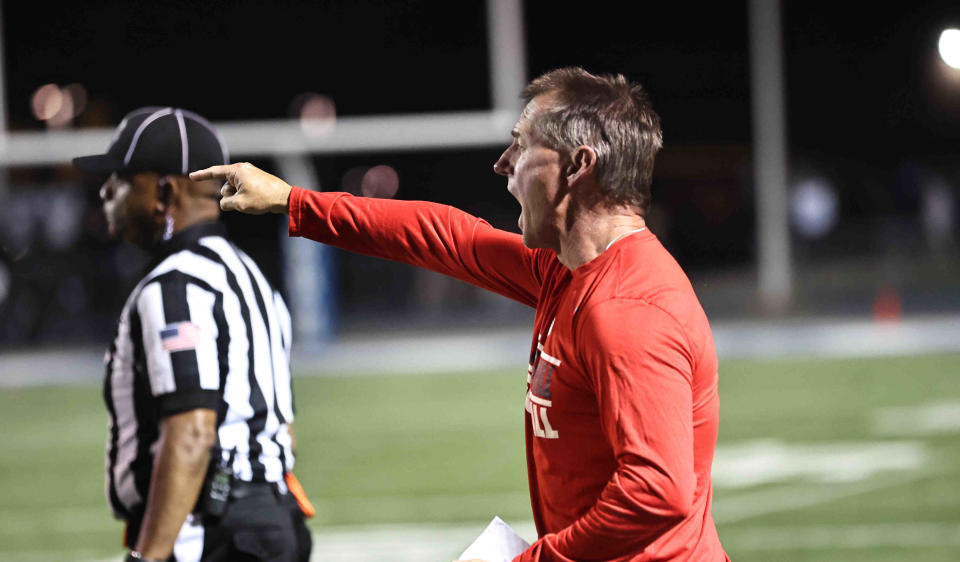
170	192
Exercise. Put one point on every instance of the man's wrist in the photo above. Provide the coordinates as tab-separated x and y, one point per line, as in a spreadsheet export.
135	556
282	204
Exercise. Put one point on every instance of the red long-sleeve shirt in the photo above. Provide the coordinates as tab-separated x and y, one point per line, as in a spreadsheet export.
622	404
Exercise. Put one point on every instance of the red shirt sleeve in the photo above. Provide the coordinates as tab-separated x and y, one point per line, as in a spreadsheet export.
638	360
436	237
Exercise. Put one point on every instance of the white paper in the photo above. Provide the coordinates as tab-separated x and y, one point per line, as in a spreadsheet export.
497	543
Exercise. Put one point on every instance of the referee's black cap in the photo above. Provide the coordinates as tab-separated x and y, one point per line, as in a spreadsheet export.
164	140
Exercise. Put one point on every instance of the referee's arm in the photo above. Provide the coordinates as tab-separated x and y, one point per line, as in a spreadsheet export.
178	473
177	314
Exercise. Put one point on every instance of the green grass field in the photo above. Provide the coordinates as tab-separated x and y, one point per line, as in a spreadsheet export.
815	463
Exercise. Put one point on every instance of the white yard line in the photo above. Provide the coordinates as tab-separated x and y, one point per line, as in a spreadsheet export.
762	461
933	418
756	504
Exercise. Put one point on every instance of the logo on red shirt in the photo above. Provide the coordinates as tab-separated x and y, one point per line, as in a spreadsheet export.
539	396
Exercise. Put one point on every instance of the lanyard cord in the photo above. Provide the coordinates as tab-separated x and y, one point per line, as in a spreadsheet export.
624	235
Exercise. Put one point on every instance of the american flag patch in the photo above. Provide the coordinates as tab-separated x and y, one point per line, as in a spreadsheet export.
179	336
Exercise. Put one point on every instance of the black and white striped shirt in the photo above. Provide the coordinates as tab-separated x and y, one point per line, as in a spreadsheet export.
203	329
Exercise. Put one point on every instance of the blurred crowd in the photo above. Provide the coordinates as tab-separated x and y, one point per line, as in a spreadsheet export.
863	236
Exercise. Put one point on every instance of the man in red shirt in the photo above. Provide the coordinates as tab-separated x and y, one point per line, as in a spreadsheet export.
622	405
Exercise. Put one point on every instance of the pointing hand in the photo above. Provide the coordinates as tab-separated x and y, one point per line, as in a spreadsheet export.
247	188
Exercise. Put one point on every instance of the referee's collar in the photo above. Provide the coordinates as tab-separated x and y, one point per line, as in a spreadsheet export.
189	237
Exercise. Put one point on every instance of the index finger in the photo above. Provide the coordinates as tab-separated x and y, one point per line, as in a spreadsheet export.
220	172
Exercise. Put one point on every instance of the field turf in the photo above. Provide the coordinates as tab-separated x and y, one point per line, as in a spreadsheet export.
824	460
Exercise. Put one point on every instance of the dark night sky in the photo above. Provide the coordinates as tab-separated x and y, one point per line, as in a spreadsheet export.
248	60
857	77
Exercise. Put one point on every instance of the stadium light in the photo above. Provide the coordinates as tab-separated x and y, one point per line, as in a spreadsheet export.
814	207
317	114
950	47
58	106
46	101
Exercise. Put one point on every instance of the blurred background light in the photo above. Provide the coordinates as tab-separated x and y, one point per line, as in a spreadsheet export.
317	113
58	106
380	181
351	180
814	207
78	95
938	213
64	114
950	47
46	101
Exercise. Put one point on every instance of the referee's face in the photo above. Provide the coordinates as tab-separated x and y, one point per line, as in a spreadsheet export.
130	206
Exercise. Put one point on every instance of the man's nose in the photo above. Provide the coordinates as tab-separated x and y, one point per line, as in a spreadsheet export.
502	165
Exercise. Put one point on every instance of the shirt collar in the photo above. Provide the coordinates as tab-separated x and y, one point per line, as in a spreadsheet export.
188	237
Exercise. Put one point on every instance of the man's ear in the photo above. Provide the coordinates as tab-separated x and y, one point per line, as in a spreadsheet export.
582	165
168	192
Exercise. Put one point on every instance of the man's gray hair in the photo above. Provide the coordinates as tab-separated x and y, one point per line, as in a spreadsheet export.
609	114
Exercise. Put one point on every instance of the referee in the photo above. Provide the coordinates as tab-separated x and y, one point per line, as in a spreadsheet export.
197	383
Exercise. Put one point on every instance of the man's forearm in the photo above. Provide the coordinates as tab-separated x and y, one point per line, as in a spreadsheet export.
178	474
428	235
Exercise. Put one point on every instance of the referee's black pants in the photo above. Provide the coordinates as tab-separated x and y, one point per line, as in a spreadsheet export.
265	525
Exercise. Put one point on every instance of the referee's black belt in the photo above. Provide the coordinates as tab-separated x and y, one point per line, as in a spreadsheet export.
241	489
